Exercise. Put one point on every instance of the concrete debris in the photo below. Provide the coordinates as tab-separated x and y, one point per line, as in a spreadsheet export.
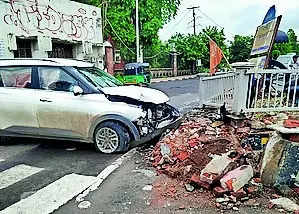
227	158
238	178
84	205
222	200
280	162
215	169
286	204
148	173
189	187
147	188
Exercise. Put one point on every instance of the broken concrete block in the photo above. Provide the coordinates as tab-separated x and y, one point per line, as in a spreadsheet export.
286	204
219	191
280	162
216	168
189	187
238	178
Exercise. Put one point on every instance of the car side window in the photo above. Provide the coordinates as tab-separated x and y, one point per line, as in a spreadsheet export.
55	79
16	77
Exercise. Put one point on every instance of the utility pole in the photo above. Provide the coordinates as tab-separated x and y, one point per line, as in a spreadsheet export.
194	32
137	32
194	18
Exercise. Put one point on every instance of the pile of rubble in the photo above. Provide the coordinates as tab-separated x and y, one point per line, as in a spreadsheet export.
224	158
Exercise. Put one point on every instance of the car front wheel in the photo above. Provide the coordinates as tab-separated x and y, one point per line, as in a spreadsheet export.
111	137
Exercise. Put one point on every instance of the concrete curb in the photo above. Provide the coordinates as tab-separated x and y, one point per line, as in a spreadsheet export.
105	174
175	78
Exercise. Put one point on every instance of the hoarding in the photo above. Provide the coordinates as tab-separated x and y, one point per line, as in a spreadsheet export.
264	37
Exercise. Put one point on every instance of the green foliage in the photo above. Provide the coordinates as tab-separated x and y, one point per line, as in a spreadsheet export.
289	47
240	48
159	55
194	47
153	14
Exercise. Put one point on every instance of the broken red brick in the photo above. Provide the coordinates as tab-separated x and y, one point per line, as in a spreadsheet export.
294	138
183	156
257	180
252	190
219	191
196	180
270	206
296	189
193	142
291	123
218	205
239	194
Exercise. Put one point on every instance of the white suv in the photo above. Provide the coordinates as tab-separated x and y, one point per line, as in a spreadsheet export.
73	100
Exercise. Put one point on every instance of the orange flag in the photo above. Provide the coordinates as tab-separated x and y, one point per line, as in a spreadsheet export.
215	56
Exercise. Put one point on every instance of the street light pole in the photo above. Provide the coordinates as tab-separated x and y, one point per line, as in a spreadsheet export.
137	32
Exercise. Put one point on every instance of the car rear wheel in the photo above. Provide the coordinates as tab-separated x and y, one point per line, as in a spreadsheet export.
111	137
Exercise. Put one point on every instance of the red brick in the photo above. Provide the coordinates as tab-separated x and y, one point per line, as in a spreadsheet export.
183	156
253	190
270	206
196	180
239	194
257	180
219	191
296	189
296	212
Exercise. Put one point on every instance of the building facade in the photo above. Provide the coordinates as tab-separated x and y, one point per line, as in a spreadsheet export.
51	28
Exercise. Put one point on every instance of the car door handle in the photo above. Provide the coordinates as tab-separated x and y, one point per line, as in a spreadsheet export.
45	100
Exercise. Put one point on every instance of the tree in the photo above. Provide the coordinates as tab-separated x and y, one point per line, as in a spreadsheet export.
195	47
289	47
153	14
240	48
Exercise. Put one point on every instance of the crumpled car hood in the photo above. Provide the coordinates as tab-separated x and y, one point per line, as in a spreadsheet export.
143	94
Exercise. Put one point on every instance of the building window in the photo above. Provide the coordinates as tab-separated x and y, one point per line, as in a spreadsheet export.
60	50
23	49
117	57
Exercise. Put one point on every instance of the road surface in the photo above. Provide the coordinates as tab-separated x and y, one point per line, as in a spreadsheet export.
44	169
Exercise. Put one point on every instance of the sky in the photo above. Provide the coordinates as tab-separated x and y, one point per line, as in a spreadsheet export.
235	16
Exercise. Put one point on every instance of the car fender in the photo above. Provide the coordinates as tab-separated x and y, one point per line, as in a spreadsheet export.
100	119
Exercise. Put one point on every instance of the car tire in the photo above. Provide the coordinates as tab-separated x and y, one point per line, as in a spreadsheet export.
111	137
3	140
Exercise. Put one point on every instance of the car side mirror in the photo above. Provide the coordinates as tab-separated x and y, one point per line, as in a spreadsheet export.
77	90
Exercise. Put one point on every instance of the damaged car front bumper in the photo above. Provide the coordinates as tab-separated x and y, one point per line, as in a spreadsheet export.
173	120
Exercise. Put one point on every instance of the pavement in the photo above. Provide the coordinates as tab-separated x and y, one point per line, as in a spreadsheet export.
46	174
136	188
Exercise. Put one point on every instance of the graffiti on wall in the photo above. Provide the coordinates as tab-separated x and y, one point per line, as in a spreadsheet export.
34	15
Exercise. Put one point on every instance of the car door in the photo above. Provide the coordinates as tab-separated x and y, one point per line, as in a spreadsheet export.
60	113
18	101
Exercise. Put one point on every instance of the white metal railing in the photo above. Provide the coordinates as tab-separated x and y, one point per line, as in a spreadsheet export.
217	90
272	90
249	90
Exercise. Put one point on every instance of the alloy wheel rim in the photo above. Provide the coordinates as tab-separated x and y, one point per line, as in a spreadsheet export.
107	140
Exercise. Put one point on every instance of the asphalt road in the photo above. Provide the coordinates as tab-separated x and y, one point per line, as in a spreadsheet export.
27	165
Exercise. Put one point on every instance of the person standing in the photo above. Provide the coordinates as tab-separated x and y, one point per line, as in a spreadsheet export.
293	64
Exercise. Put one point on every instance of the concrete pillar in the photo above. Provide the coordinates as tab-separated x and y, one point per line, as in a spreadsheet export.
109	60
175	64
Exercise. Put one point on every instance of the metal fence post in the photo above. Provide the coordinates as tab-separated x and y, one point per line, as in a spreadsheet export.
240	88
201	91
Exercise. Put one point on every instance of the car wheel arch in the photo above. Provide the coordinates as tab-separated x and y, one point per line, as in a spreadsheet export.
132	129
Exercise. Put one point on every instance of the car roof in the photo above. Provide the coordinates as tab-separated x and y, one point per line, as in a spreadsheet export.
45	62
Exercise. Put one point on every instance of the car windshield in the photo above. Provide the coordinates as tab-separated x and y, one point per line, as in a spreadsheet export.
99	78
